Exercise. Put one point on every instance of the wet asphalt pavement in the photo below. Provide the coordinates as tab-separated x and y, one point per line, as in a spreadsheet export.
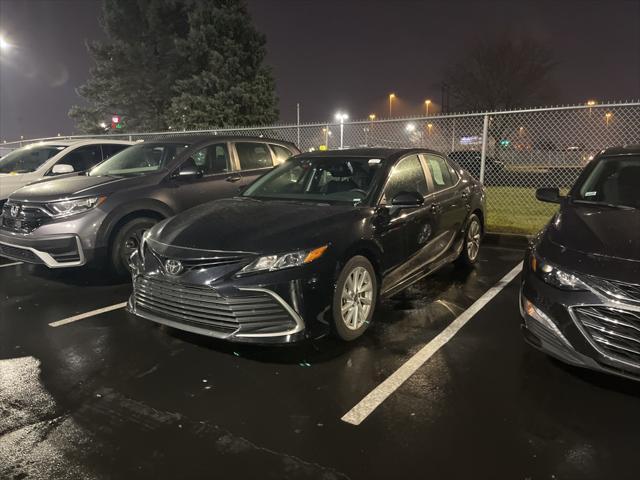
111	396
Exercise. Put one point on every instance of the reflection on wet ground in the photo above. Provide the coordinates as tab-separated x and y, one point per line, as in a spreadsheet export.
115	397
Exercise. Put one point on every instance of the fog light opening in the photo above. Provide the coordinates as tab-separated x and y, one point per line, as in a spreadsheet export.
534	312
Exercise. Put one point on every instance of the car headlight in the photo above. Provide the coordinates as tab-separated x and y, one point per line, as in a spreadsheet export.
285	260
554	276
65	208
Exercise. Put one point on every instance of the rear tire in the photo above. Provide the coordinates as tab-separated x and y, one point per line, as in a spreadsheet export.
125	242
472	238
354	298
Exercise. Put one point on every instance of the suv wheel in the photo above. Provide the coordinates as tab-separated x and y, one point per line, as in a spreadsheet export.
354	298
126	241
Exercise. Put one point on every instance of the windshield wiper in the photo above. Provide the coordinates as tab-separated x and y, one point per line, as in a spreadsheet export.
603	204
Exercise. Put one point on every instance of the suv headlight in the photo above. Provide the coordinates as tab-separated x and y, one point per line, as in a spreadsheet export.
285	260
554	276
65	208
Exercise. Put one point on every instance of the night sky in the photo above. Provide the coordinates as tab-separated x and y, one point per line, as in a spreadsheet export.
334	54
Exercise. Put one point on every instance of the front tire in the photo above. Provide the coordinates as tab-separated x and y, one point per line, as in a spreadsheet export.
125	242
472	238
354	298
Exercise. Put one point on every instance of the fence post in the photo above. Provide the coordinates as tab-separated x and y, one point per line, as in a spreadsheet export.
298	123
483	155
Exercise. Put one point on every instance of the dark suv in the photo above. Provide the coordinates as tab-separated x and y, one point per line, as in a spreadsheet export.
72	220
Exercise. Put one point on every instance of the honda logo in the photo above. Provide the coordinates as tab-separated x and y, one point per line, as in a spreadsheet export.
173	267
14	210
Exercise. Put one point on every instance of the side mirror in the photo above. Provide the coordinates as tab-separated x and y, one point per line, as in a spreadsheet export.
407	200
61	168
549	195
189	169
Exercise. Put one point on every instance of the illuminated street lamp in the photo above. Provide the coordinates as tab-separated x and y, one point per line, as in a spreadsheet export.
391	97
429	127
372	116
591	103
341	117
4	44
426	106
103	125
607	118
410	128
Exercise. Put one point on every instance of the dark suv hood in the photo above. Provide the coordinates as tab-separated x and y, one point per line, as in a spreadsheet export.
595	240
78	185
248	225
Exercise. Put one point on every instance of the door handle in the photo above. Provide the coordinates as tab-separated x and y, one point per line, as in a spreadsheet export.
233	178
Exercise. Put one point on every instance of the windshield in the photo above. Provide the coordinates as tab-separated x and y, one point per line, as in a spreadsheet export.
318	179
29	158
613	181
139	160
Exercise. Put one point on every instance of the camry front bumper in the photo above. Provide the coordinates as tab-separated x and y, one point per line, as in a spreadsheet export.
275	307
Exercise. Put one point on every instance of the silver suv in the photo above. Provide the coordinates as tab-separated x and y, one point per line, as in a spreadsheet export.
101	215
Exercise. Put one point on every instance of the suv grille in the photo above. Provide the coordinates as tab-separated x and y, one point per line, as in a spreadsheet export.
616	332
203	307
619	290
27	218
19	254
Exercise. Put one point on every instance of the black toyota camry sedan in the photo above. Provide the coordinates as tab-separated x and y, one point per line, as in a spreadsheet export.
309	247
580	297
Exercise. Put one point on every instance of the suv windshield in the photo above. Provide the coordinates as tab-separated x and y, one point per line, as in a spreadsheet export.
29	158
139	160
318	179
612	181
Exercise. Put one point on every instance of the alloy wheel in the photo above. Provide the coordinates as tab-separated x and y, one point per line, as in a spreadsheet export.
356	298
473	240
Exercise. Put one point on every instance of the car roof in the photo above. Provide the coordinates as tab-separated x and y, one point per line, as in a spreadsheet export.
81	141
632	149
200	138
373	152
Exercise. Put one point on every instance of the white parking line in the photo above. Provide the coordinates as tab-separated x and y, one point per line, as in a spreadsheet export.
92	313
368	404
10	264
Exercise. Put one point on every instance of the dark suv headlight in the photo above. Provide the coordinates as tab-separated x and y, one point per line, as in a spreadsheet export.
554	275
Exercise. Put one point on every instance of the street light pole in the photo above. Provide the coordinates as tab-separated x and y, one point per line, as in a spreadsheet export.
426	104
391	97
341	117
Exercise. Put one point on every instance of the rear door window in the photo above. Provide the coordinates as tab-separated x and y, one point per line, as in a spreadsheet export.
281	153
253	155
440	172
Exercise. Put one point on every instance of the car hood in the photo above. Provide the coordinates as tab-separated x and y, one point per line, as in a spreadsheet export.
10	182
75	186
256	226
599	241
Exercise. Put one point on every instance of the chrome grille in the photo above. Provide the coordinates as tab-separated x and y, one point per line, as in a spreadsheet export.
203	307
28	218
203	262
615	331
620	290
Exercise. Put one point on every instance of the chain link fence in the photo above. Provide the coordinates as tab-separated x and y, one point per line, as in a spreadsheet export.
512	153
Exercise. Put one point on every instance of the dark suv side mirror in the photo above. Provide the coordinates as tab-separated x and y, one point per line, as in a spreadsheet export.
407	200
548	194
189	169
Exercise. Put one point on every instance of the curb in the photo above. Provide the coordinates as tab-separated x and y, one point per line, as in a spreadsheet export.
507	240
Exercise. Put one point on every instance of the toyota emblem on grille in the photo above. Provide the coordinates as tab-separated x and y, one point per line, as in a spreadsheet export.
172	267
14	210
